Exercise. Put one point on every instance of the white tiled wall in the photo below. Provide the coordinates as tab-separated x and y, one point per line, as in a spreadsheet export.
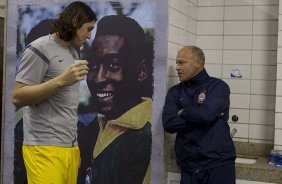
249	43
181	30
241	34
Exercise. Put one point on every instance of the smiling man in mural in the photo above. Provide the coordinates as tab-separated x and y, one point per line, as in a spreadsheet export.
116	146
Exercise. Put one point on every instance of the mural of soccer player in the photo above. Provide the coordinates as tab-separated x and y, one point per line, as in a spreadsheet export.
116	146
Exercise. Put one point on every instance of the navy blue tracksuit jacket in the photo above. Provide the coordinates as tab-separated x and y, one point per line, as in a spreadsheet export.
203	138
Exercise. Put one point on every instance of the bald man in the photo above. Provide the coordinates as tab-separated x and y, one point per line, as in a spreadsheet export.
197	110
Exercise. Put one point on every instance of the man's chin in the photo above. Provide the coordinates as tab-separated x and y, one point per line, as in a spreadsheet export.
110	113
105	110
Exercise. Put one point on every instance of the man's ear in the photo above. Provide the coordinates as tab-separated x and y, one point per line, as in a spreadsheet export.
142	71
198	63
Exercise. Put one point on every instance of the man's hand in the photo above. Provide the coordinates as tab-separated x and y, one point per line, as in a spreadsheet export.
74	73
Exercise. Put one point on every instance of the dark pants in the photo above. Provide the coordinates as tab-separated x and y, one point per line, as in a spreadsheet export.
219	175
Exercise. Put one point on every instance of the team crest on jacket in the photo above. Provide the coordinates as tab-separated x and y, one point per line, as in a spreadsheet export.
201	97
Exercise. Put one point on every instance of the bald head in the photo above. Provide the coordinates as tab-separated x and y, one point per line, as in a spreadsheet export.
196	53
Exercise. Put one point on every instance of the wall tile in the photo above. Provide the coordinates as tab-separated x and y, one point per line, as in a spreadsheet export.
209	42
214	70
264	57
174	4
265	27
178	19
238	27
239	86
237	42
213	56
261	132
242	130
239	101
210	28
262	102
264	72
265	42
264	2
237	57
195	2
260	141
278	137
171	72
238	2
280	23
172	18
262	117
278	147
180	5
261	87
241	139
243	115
280	9
279	71
171	81
182	21
279	42
265	12
278	120
173	49
192	10
182	37
210	13
278	105
191	39
238	13
172	33
191	25
210	3
279	88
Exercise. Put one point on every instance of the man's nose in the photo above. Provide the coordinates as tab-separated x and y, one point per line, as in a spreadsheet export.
177	67
101	75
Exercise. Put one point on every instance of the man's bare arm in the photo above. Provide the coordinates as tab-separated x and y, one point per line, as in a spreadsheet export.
24	94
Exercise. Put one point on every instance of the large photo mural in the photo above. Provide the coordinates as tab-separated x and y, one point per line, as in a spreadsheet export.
120	135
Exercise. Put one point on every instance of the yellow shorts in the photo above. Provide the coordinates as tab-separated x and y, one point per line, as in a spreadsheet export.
51	165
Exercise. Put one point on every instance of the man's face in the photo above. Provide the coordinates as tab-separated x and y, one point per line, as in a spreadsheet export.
186	66
83	33
106	75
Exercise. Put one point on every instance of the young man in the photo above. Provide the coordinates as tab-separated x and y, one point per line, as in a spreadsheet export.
197	110
47	84
120	75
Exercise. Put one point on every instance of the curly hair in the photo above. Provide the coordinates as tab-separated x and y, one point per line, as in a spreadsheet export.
71	19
